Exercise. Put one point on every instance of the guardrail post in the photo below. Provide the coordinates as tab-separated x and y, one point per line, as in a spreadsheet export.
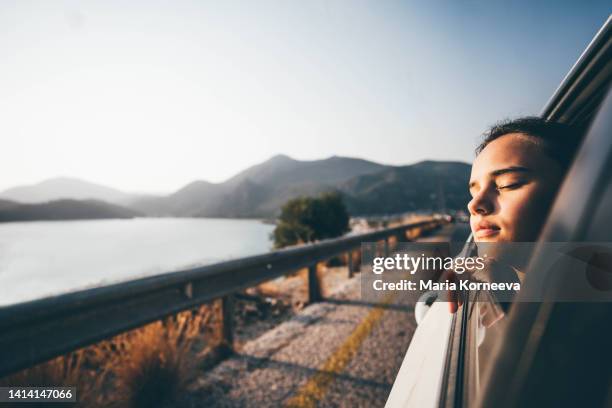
351	271
227	322
387	246
314	290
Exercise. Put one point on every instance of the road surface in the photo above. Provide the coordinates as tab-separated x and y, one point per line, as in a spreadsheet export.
340	352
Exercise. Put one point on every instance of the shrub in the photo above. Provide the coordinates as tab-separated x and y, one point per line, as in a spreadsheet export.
155	364
307	219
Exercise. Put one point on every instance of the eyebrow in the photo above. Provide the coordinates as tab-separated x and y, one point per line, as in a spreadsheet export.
505	170
511	169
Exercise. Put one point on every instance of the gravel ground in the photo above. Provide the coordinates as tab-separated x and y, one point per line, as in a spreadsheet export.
341	352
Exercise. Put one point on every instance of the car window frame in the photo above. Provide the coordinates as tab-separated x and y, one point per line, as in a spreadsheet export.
579	100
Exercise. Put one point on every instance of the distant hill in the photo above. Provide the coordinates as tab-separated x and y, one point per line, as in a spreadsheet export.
260	190
282	170
63	210
368	188
424	185
7	204
64	188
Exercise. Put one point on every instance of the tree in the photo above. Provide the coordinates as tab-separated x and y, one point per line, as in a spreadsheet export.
308	219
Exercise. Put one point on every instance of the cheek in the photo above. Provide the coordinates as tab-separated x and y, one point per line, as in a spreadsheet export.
522	213
515	208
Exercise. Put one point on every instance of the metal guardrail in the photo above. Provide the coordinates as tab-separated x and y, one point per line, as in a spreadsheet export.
36	331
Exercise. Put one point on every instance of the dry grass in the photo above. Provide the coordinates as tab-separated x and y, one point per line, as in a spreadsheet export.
148	367
72	370
154	365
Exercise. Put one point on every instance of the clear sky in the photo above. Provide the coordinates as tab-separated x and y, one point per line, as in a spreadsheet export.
148	96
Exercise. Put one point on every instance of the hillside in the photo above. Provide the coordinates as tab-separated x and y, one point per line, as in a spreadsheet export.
260	191
282	170
424	185
63	210
7	204
368	188
64	188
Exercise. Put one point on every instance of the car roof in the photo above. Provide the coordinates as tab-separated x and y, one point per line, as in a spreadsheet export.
585	85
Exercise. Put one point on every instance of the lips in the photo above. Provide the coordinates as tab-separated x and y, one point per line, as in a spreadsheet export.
486	229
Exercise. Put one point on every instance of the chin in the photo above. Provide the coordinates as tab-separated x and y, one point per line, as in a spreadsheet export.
487	239
498	237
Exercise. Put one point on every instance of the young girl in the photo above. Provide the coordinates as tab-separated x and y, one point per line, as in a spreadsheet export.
515	177
516	174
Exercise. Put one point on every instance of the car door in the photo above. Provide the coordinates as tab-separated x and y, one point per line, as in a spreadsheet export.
555	353
535	354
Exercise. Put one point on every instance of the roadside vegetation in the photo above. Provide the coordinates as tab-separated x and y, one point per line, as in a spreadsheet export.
309	219
148	367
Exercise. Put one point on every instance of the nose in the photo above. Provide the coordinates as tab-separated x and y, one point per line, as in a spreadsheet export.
481	203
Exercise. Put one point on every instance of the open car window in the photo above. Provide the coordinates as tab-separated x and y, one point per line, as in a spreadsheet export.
495	338
487	323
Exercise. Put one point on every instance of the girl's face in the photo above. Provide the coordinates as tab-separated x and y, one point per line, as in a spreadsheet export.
513	184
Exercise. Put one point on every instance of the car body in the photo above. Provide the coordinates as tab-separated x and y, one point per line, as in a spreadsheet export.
539	353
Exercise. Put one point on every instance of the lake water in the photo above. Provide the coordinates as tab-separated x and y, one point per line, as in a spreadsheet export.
39	259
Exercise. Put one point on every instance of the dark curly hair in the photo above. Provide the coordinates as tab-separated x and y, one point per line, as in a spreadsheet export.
558	141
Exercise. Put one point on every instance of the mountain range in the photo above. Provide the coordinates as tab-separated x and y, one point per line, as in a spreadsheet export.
260	190
64	209
65	187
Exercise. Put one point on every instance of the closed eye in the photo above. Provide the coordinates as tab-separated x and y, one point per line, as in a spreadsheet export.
511	186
